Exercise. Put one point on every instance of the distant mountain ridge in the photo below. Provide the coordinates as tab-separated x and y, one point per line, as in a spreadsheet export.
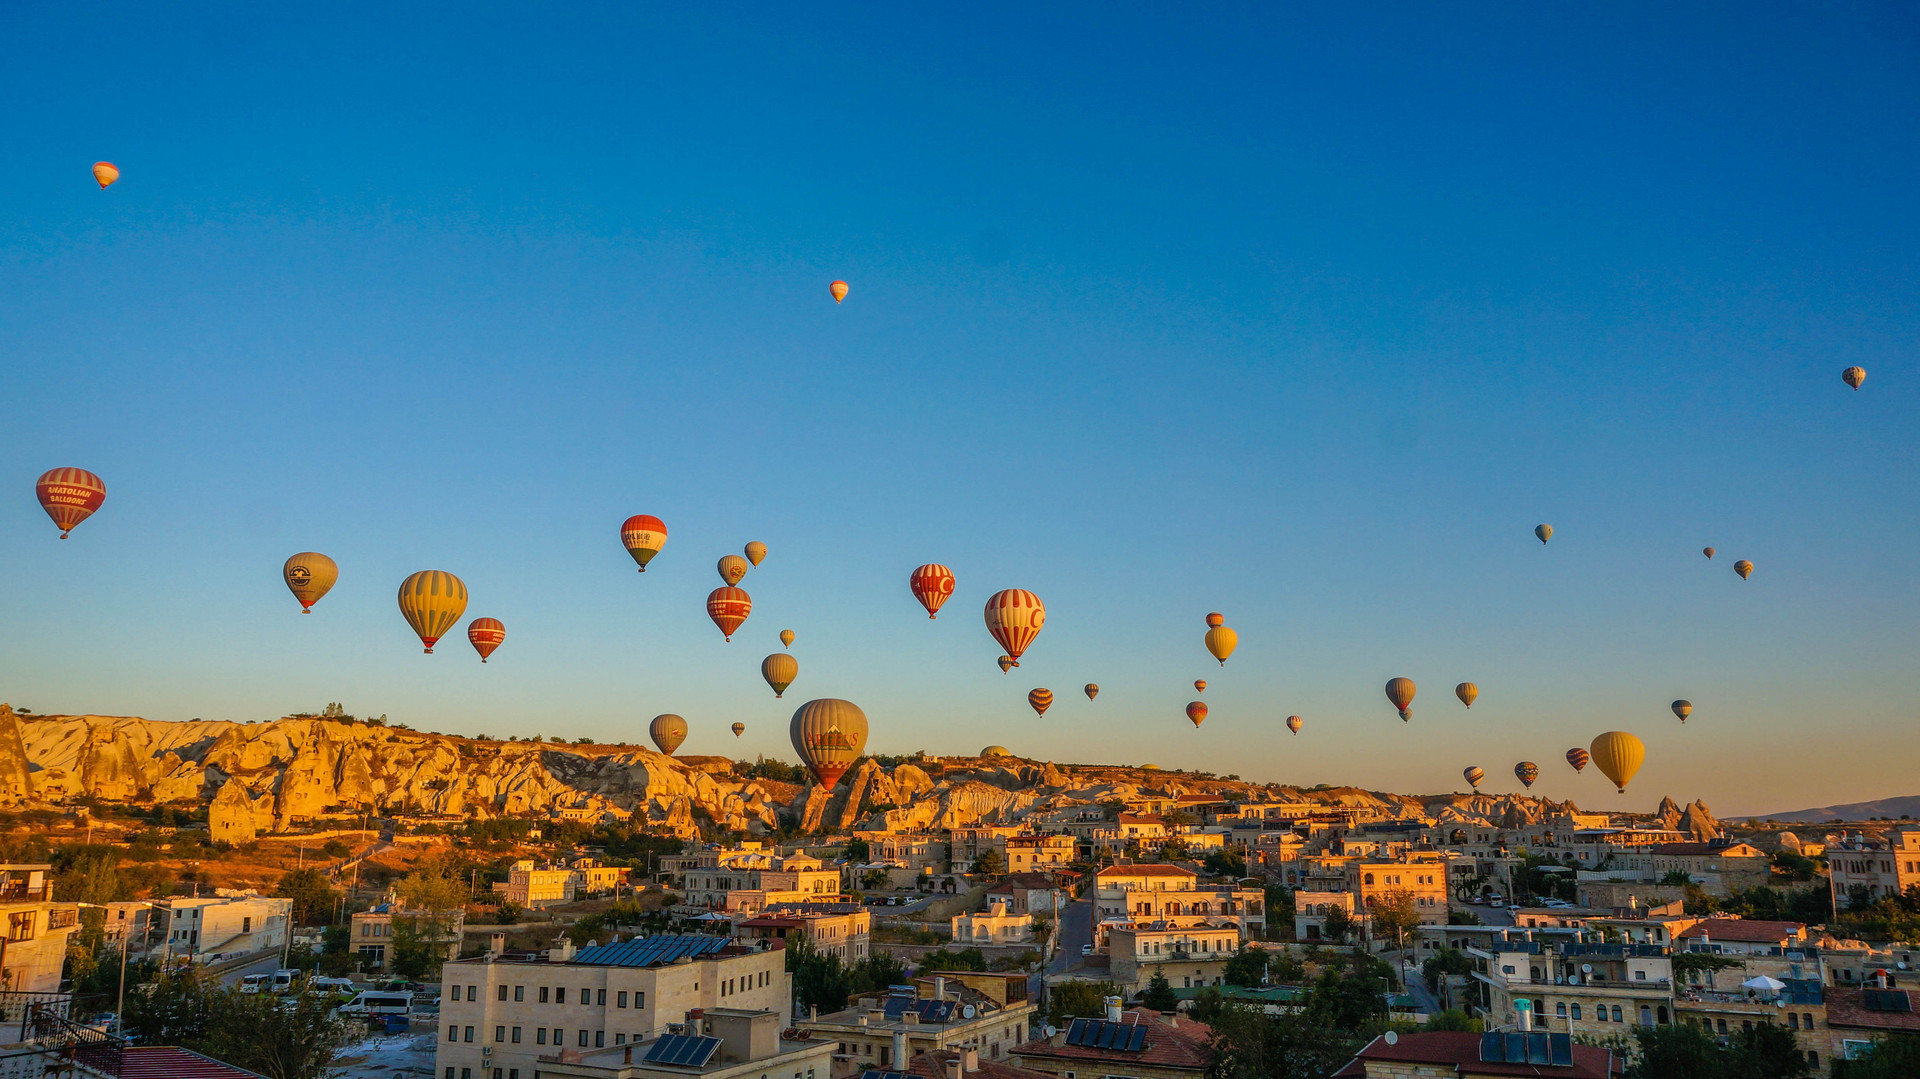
1908	805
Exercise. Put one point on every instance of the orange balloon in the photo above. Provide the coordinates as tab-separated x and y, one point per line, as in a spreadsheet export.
839	290
1294	723
104	173
1199	685
1197	712
485	634
1216	620
729	607
69	495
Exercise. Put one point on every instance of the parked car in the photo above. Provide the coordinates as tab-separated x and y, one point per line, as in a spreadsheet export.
1086	949
254	983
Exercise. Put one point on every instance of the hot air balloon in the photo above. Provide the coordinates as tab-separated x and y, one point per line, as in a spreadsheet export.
1006	662
839	290
732	568
1545	532
1683	709
1526	772
786	638
931	585
1199	685
485	634
756	551
1041	700
780	669
104	174
1473	776
1093	690
1220	640
1578	758
1014	617
739	729
1197	712
728	607
829	735
1708	551
644	535
1619	755
1467	692
1852	376
432	601
1294	723
1744	568
69	495
309	575
1400	691
667	732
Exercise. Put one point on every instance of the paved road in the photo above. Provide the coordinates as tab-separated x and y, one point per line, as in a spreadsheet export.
1075	929
264	963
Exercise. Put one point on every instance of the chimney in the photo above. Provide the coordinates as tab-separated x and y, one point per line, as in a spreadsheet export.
1113	1009
939	988
970	1061
496	943
900	1050
953	1068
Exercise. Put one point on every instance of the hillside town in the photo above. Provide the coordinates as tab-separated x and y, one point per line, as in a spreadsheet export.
983	915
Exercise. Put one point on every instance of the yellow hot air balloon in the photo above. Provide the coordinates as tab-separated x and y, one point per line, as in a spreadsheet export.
829	735
1093	690
780	669
1294	723
1473	776
1467	692
1852	376
786	638
739	729
105	174
1040	700
732	568
309	575
839	290
1744	568
1619	755
1221	641
1400	691
756	551
1199	685
667	732
1006	662
1544	532
432	601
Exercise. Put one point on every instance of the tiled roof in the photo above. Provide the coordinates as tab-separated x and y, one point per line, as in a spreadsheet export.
1460	1049
1182	1047
1147	869
1744	930
1848	1008
1140	818
172	1062
933	1065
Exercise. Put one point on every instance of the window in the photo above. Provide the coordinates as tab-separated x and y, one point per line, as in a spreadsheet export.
516	1035
1560	1009
586	996
246	925
1793	1021
1639	975
583	1039
1813	1058
1616	1014
543	994
499	1034
453	1033
468	1036
519	993
560	994
619	1039
498	1073
449	1071
466	1073
640	999
599	1039
620	1001
1506	969
1806	1020
502	994
1576	1012
540	1035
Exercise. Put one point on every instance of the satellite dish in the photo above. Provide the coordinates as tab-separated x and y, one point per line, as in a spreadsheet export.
1393	1037
1573	979
1049	1030
966	1011
1586	968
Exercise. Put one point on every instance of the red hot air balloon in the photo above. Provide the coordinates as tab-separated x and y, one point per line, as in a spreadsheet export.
932	584
1579	758
485	634
1197	712
1014	617
1216	620
729	607
69	495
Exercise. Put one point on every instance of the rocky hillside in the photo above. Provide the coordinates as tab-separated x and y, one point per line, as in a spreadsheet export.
262	777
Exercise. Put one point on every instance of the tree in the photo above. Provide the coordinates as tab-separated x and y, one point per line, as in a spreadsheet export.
819	981
1227	862
1394	914
1249	968
1677	878
989	863
1446	962
1766	1051
964	959
435	887
1352	999
281	1037
1894	1058
1453	1019
858	851
1667	1052
1286	968
1079	1000
313	898
1338	925
1159	994
1248	1044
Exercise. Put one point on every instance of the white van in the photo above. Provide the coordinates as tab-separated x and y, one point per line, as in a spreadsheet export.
330	985
283	980
254	983
378	1003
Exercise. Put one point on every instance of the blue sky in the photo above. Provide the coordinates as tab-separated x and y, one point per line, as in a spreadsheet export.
1307	318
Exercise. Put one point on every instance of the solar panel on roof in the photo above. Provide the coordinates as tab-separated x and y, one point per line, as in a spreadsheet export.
1492	1048
1139	1039
1562	1047
1537	1048
651	951
1101	1034
1887	1000
683	1050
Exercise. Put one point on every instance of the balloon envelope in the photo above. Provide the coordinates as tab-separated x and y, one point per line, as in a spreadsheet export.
1006	662
732	568
1744	568
728	607
1015	617
667	732
1467	692
1216	619
1221	641
1093	690
1579	758
1400	691
786	638
1040	700
69	495
756	551
1199	685
432	601
1526	772
309	575
839	290
644	535
485	635
1294	723
931	585
829	735
780	669
1197	712
1473	777
1545	532
739	729
1708	551
104	174
1683	709
1852	376
1619	755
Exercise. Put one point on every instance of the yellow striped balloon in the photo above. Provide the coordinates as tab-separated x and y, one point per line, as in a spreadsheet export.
432	601
780	669
309	575
1015	617
1040	700
667	732
829	734
1221	641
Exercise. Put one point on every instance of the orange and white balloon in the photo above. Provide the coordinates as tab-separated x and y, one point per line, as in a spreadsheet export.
932	585
69	495
1015	617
